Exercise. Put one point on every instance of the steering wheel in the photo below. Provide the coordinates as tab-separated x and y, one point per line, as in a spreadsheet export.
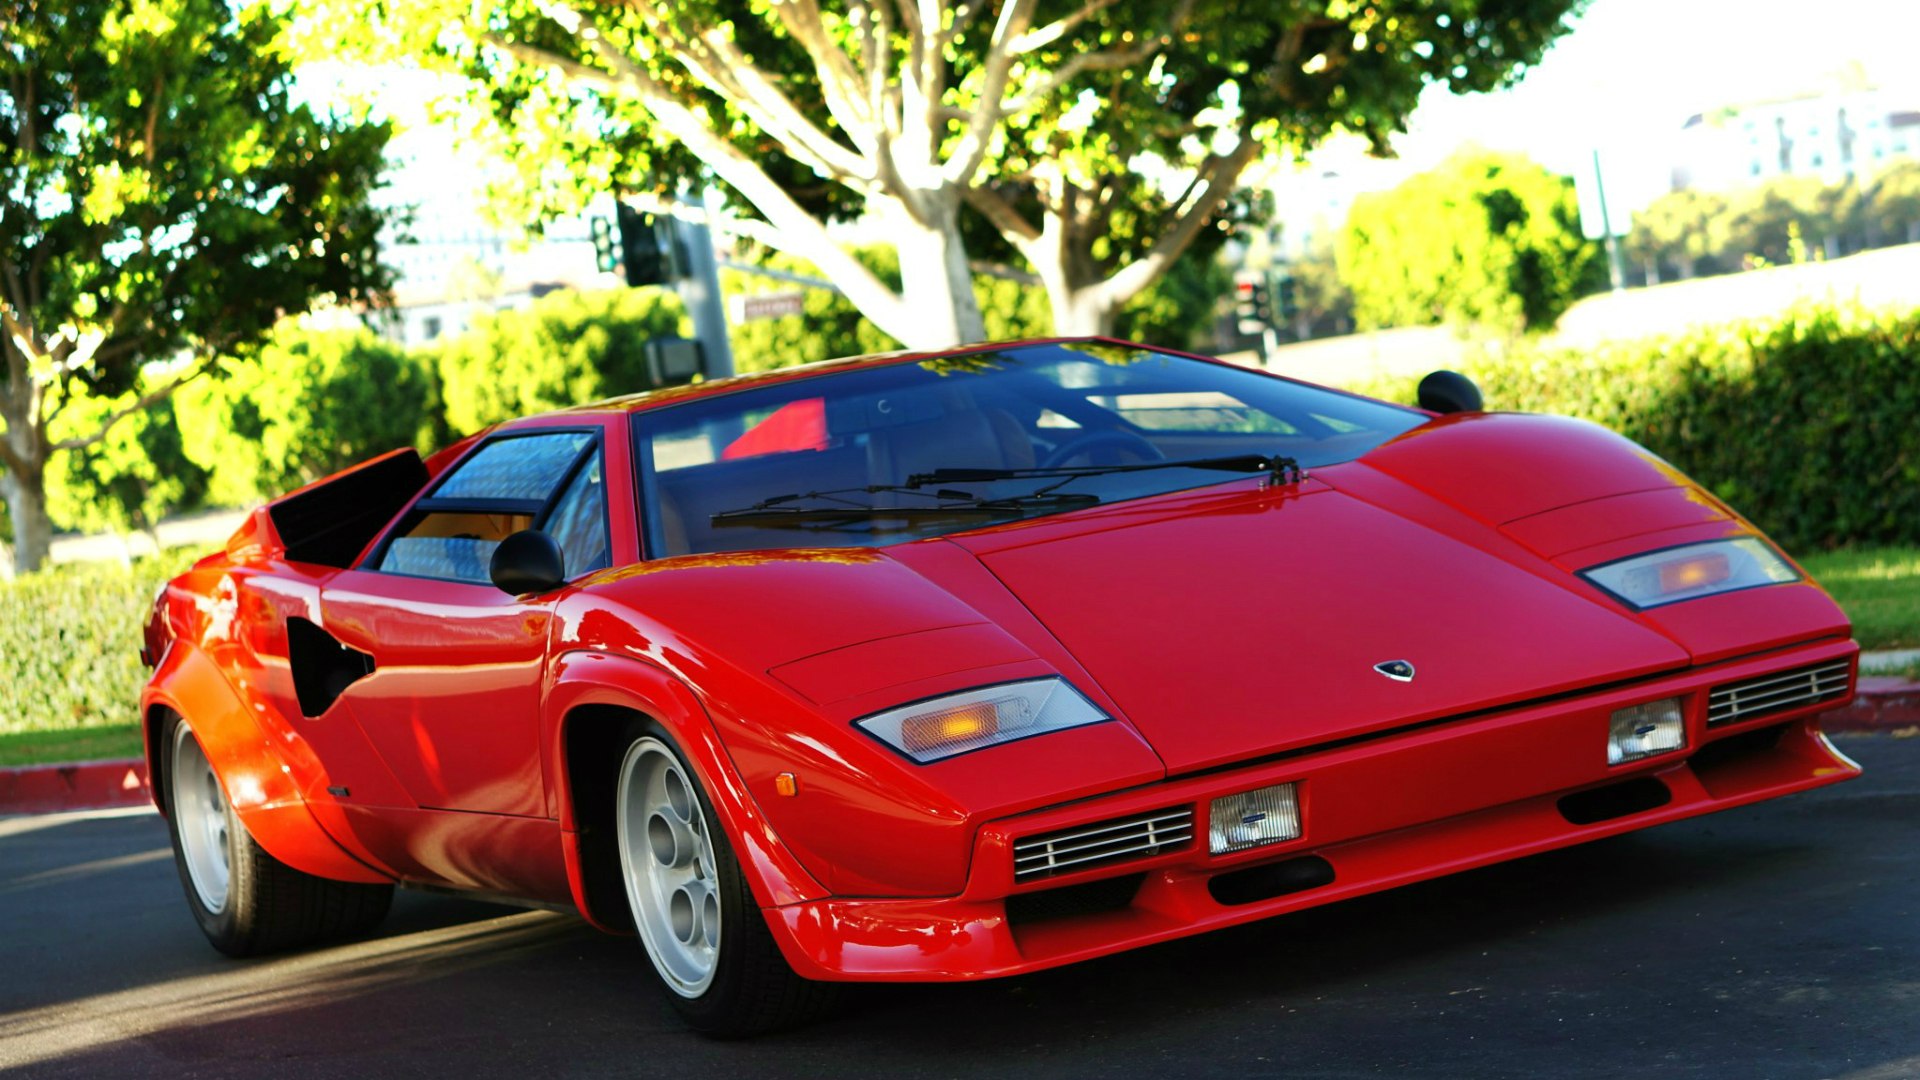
1092	440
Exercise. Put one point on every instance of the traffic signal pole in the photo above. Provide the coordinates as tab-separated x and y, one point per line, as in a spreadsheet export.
699	289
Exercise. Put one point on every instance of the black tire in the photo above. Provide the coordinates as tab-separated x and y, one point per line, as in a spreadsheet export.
749	987
263	905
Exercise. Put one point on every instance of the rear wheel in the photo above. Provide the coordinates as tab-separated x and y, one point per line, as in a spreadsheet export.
708	941
246	901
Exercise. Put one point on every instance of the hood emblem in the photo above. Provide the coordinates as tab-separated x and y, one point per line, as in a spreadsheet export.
1397	670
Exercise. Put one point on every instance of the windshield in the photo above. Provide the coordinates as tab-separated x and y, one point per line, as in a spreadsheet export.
869	456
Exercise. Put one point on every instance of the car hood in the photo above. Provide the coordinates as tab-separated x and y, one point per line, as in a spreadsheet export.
1253	624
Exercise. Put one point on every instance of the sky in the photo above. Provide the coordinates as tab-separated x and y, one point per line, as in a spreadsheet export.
1630	73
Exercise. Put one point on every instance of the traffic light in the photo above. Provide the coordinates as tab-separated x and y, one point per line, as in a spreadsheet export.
605	256
646	247
1286	296
1252	305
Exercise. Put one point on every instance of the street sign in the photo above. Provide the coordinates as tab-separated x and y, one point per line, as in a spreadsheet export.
773	305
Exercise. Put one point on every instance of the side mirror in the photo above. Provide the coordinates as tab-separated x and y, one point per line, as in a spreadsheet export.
1449	392
529	561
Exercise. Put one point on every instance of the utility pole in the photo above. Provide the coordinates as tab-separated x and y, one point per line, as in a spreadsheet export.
699	289
1616	272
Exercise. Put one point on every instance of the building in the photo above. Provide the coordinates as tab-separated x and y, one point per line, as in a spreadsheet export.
1833	136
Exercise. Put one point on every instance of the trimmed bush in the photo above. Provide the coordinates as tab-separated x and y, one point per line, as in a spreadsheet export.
1808	424
315	402
563	349
71	637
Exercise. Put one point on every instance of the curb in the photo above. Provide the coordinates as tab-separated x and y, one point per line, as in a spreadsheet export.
87	785
1884	703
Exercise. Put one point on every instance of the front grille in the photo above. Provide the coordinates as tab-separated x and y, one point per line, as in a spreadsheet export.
1778	693
1086	846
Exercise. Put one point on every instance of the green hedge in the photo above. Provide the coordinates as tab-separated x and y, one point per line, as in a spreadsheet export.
1809	424
71	637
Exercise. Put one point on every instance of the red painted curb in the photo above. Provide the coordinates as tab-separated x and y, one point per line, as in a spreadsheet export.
87	785
1883	704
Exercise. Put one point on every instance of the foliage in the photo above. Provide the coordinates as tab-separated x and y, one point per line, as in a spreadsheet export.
315	402
1682	229
1893	204
1487	238
1781	220
1878	588
1035	115
1803	423
161	196
563	349
1175	311
127	481
71	635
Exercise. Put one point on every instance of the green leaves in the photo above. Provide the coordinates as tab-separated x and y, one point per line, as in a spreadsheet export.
161	197
1486	239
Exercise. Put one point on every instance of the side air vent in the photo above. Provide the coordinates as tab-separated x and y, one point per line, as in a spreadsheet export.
1102	843
1778	692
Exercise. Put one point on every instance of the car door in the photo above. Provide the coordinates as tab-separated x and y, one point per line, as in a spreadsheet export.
452	701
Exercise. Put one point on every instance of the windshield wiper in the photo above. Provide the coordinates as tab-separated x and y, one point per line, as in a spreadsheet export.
949	503
1282	469
775	510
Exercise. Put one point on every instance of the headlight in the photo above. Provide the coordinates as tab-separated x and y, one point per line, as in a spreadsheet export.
976	719
1691	571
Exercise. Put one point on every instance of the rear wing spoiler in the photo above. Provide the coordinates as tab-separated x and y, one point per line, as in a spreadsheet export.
330	521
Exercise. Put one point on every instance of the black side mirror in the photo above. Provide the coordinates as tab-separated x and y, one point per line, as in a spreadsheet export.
529	561
1449	392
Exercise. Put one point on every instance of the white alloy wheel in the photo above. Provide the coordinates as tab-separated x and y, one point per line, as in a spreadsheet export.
200	810
667	861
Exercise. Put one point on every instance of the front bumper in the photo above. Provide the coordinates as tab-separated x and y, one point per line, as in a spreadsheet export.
1376	813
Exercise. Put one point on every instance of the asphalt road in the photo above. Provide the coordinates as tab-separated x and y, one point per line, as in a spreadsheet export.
1776	941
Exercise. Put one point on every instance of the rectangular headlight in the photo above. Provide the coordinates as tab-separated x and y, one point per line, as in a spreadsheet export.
1265	815
976	719
1691	571
1646	730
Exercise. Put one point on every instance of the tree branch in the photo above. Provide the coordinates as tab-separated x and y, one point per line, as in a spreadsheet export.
720	65
1222	174
995	208
1057	29
803	233
839	82
1015	17
158	393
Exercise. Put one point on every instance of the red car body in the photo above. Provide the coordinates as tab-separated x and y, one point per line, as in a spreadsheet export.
1230	631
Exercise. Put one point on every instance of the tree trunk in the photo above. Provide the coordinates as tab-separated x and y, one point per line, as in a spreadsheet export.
936	282
1080	312
26	494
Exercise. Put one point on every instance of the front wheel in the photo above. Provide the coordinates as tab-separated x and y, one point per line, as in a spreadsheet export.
246	901
708	941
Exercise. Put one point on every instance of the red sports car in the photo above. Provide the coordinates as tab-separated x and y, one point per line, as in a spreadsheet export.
944	666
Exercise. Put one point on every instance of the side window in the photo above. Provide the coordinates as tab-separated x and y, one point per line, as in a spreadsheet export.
510	483
579	521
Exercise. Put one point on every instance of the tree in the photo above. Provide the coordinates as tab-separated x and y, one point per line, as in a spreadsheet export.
1678	229
1893	204
317	402
1772	222
129	480
1098	137
1487	238
162	202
